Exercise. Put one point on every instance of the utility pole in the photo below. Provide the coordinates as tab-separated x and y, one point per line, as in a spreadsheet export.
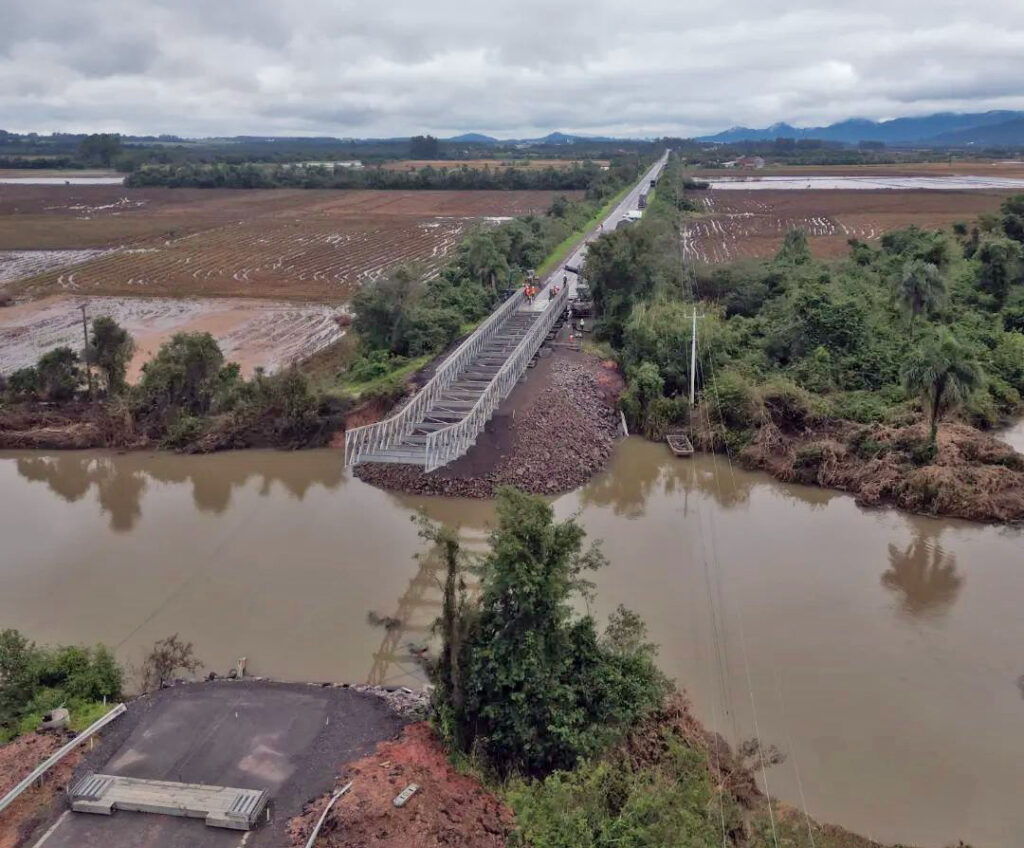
693	356
85	350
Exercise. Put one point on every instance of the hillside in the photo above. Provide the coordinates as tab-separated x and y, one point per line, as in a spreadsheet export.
945	128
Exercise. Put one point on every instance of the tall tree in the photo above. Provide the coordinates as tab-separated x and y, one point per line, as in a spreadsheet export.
920	287
943	373
537	687
484	260
110	349
1002	266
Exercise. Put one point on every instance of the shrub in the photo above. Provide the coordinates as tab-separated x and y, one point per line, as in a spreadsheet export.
182	376
34	679
734	399
23	384
167	657
184	431
58	374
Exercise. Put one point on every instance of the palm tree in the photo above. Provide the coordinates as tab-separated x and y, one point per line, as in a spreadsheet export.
484	259
920	287
943	372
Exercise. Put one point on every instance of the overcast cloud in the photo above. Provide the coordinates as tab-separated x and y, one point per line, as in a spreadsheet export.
398	67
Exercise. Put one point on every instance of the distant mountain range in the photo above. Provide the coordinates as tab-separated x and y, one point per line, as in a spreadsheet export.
945	128
550	138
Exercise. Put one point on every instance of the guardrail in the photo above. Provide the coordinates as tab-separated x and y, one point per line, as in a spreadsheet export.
57	756
370	438
323	816
448	444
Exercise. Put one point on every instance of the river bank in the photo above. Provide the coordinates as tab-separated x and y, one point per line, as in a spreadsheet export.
972	475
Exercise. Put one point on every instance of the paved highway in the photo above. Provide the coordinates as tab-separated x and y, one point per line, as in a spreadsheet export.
629	203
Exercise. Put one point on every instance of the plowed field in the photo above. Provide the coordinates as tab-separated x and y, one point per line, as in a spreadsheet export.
747	224
279	243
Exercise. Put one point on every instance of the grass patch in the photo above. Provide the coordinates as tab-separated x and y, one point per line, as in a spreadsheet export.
388	383
564	247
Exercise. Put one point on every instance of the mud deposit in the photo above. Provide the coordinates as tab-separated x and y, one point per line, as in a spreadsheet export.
254	333
747	224
276	243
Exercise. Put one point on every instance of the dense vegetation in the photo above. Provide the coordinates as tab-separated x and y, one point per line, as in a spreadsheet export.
843	339
35	679
523	682
188	396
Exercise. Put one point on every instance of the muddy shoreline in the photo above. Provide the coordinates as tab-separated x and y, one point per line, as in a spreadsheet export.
972	476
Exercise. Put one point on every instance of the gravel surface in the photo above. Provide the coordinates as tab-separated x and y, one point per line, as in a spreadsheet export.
563	431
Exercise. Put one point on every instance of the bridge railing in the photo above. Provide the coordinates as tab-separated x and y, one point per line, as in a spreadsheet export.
453	441
361	441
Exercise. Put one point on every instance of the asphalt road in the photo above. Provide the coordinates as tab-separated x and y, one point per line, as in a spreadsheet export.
290	739
630	202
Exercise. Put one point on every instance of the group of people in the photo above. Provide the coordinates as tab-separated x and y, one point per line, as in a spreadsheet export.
532	290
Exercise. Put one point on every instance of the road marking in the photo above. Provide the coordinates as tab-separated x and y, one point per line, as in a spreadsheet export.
53	827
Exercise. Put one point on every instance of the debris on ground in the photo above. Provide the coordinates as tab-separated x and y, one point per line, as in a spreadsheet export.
972	475
402	700
562	435
449	809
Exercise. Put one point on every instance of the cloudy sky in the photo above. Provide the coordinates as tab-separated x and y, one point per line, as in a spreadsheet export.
398	67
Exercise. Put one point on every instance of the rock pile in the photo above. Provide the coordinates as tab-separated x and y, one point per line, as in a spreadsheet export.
558	441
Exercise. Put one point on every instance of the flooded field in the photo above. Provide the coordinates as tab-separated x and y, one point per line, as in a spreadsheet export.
280	243
879	651
254	333
59	181
746	224
867	183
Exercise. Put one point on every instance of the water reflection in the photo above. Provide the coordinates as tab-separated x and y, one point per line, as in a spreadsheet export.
922	574
641	469
121	480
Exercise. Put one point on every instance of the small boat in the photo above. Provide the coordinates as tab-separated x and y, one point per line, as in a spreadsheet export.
679	444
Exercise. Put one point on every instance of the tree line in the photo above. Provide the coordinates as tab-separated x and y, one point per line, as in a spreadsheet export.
577	177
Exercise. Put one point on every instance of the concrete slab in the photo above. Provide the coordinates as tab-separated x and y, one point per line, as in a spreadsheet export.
218	806
287	739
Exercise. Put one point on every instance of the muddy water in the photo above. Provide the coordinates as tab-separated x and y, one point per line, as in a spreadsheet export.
880	652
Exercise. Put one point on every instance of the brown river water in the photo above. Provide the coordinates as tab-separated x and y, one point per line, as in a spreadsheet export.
880	652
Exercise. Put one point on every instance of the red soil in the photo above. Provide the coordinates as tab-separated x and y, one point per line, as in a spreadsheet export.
17	759
450	809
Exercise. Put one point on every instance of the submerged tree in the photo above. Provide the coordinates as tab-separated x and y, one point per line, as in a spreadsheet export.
943	373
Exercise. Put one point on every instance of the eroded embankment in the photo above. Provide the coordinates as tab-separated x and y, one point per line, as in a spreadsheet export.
971	475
